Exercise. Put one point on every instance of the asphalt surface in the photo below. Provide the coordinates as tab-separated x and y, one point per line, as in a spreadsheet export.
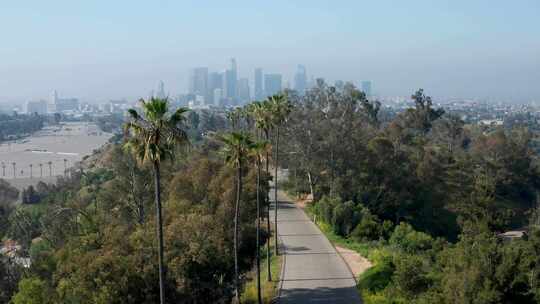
313	272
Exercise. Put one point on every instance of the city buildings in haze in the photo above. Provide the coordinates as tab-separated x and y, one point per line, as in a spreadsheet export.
272	84
37	106
58	105
258	84
243	90
198	82
300	80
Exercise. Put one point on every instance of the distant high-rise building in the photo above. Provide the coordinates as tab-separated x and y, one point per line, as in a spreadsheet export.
218	96
161	90
51	106
38	106
366	88
272	84
215	81
198	82
300	80
230	86
243	90
259	91
57	104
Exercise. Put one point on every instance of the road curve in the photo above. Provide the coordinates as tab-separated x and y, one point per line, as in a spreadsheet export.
313	270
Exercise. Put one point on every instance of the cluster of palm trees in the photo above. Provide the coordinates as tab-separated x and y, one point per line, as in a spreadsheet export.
153	136
14	165
252	144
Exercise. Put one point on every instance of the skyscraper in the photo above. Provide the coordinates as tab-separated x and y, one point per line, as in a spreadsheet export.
366	87
243	90
259	91
230	87
300	80
272	84
198	82
215	81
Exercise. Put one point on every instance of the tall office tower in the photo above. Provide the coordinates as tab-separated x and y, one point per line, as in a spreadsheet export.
272	84
198	82
215	81
259	91
231	78
218	96
243	90
300	80
51	106
366	88
161	90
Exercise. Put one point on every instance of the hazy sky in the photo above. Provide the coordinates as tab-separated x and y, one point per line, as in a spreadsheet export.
98	49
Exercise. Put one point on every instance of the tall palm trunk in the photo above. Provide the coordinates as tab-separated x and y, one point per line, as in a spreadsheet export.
269	274
259	298
275	191
159	227
236	226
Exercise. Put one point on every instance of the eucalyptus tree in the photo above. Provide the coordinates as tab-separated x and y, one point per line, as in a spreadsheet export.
263	122
236	151
280	109
258	151
153	137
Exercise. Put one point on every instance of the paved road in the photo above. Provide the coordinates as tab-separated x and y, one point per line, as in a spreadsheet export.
314	272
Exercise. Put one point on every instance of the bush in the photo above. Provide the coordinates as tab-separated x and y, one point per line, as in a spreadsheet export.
369	227
387	229
32	290
344	218
410	240
410	274
325	208
380	275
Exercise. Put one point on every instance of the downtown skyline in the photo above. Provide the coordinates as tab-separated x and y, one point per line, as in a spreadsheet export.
98	50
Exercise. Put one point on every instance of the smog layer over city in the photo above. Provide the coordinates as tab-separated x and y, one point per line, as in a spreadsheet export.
269	152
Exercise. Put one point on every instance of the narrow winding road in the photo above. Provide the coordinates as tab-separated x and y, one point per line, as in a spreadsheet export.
314	272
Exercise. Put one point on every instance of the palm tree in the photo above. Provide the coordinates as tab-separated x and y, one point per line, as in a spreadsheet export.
31	172
14	164
280	109
236	150
3	169
152	138
50	167
258	150
40	170
263	122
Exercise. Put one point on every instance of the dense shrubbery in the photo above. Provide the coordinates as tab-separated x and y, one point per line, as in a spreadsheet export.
91	237
427	193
